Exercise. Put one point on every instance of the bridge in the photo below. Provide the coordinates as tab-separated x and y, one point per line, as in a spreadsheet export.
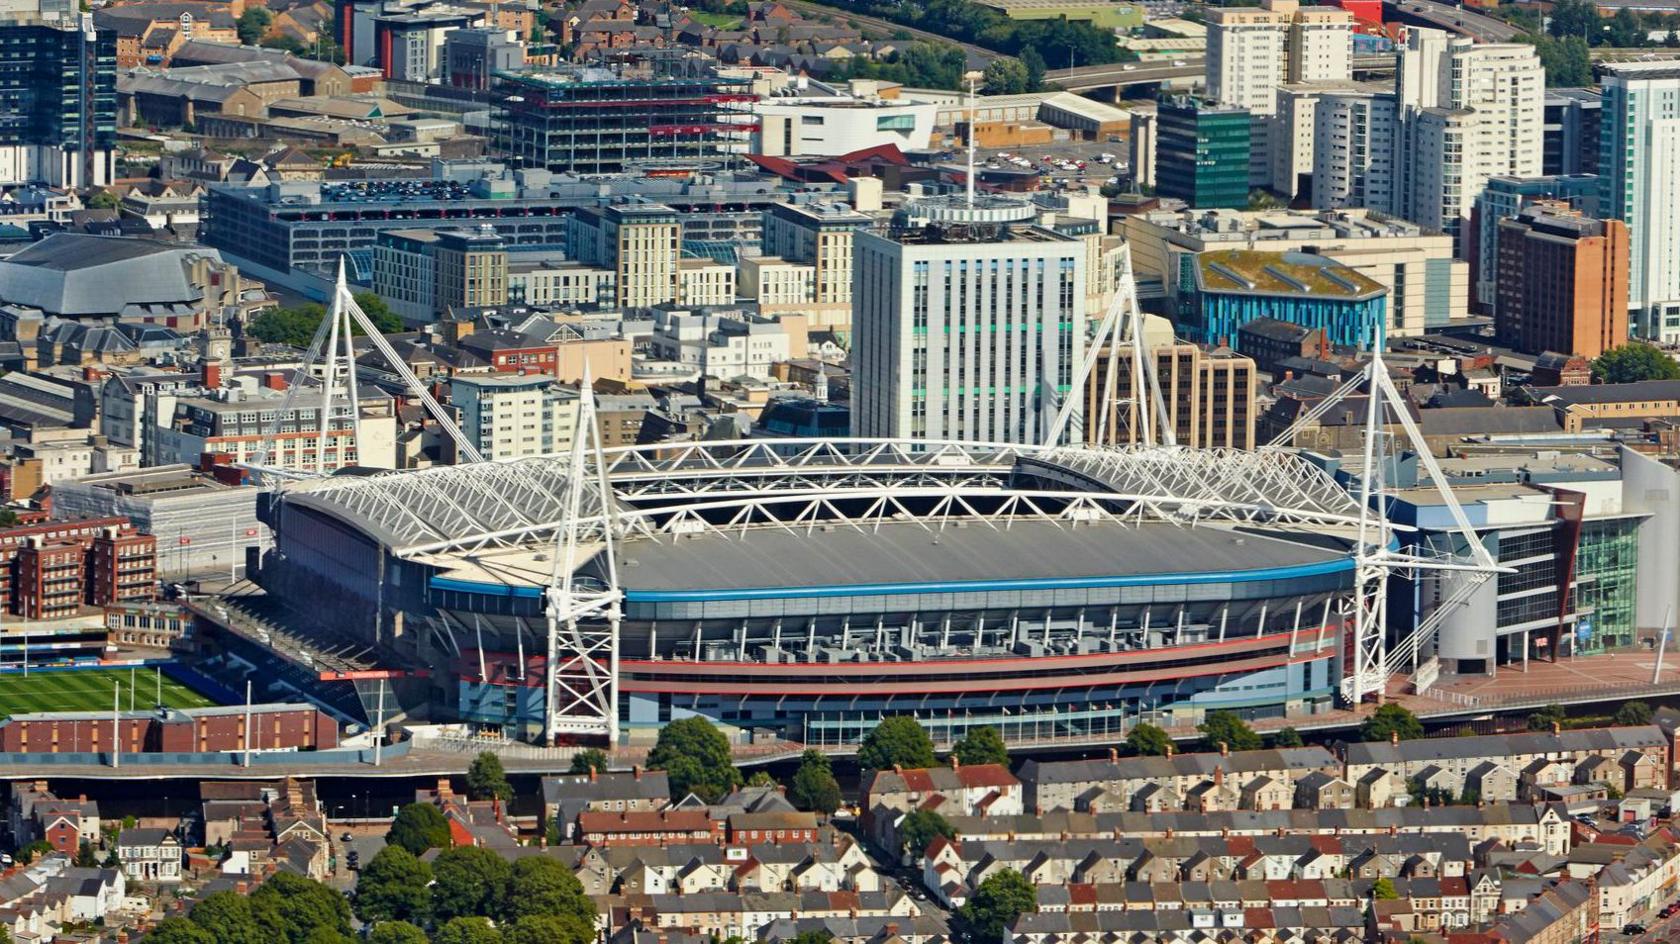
1453	19
1123	75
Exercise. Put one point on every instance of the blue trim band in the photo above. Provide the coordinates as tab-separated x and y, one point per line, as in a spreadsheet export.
484	589
1297	571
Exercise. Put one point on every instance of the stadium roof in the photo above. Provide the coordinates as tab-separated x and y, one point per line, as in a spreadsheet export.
516	502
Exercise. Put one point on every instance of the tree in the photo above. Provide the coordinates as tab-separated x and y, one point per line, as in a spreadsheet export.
813	787
1547	718
898	741
696	758
395	932
982	745
1575	18
1004	896
296	326
304	906
1634	712
1383	890
1148	740
392	887
1634	362
811	937
761	778
1625	30
539	885
1036	68
418	827
486	780
253	23
104	200
29	853
1567	62
1227	728
470	930
84	854
1288	737
229	919
468	881
550	929
590	759
1005	77
1391	720
182	931
918	829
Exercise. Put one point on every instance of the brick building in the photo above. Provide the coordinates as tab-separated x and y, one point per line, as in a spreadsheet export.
51	569
189	730
660	828
1563	282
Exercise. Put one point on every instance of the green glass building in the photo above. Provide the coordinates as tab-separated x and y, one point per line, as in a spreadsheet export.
1606	581
1201	153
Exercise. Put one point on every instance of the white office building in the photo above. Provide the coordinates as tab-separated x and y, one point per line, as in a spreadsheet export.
1639	183
1467	112
811	119
506	416
968	323
1353	150
1253	52
1461	113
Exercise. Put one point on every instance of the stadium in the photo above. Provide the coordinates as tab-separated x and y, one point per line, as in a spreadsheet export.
803	589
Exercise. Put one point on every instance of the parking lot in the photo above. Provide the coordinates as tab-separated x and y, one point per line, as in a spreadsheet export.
1060	160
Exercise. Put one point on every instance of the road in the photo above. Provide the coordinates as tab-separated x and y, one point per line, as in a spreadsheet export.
1660	930
1087	78
886	27
1483	29
1090	78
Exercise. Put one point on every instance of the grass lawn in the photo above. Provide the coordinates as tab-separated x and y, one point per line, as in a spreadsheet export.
723	21
90	690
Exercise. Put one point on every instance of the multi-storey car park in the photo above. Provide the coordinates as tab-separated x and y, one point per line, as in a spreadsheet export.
591	120
806	589
307	225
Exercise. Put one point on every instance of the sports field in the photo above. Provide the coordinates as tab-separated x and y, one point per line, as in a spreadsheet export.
90	690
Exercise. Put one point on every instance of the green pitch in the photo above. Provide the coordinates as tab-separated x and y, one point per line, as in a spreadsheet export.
90	690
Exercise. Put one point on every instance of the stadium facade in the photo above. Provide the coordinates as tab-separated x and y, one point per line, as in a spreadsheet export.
805	589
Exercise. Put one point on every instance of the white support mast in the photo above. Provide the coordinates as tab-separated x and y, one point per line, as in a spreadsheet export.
1376	658
581	669
335	342
1121	327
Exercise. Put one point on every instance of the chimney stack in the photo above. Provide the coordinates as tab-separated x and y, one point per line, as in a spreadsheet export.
1394	738
1557	728
1224	749
591	773
1113	755
636	772
955	764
